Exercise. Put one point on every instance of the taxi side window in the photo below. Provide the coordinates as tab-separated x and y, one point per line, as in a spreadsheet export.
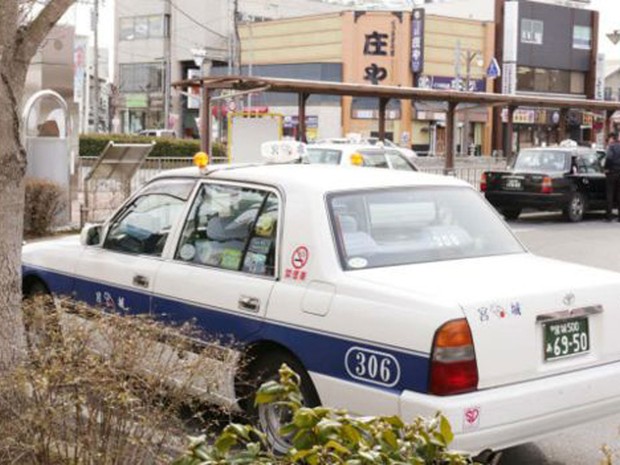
398	162
588	164
233	228
143	225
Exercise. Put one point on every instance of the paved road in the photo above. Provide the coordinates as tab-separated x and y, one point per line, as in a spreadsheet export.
592	242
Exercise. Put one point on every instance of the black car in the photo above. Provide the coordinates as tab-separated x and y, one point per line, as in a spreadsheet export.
569	179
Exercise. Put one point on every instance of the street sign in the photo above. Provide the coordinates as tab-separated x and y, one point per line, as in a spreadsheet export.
493	70
614	37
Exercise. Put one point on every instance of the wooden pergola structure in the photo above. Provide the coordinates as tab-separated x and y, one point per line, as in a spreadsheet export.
304	88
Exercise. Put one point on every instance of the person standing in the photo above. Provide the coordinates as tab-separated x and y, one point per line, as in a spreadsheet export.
612	174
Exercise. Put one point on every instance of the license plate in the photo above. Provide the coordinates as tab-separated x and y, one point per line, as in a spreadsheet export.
565	338
513	184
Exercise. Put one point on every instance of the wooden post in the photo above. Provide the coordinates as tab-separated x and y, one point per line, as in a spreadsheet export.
301	112
509	133
449	162
205	120
382	106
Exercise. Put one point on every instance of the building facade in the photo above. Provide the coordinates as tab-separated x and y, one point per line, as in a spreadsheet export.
376	47
158	43
547	49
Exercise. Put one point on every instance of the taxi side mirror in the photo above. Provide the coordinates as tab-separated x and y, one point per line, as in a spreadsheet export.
91	234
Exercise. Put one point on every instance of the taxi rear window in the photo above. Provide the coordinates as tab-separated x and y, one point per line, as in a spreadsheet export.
323	156
542	160
415	225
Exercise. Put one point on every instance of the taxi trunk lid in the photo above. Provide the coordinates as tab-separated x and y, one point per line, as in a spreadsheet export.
516	305
519	181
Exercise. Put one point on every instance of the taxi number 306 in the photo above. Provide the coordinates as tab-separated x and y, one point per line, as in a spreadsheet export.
372	366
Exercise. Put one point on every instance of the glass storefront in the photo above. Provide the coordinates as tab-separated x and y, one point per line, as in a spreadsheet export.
553	81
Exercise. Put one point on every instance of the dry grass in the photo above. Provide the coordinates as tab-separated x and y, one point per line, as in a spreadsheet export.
104	389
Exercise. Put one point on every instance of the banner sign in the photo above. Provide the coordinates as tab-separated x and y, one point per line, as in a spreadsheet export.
417	40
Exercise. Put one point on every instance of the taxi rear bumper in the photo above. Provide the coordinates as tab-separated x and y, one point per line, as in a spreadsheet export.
497	418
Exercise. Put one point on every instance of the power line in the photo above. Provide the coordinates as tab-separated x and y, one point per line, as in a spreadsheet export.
208	29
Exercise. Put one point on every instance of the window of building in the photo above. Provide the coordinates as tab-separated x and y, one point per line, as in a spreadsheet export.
141	27
525	78
141	77
550	80
559	81
577	82
156	26
541	80
582	37
126	29
532	31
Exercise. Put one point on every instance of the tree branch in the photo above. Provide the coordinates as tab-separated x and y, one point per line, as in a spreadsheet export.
30	37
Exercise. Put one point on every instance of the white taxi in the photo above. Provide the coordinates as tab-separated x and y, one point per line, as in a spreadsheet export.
389	292
357	154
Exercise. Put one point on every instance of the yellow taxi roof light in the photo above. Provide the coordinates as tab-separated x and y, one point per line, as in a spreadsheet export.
357	159
201	160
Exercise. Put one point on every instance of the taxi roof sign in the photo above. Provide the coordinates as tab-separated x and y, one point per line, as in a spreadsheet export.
282	151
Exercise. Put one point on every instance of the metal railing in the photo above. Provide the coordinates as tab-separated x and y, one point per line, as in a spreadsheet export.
151	167
106	196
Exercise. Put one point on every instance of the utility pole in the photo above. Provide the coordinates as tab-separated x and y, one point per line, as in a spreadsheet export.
236	39
229	42
167	62
95	28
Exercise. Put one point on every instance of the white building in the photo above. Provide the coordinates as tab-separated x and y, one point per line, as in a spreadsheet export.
142	51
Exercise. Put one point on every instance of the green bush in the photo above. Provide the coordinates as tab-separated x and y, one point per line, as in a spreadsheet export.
325	436
44	200
91	145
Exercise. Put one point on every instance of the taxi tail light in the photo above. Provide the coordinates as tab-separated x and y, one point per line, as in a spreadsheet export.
547	185
453	362
483	182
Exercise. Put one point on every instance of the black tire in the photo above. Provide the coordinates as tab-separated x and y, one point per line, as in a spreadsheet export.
270	418
511	213
575	208
41	323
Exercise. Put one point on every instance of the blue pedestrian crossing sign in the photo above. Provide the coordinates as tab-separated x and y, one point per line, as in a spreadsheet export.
493	71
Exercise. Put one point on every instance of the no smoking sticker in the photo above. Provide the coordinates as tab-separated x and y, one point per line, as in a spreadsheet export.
300	257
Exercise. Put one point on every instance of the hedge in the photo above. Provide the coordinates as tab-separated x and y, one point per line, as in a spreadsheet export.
91	145
322	436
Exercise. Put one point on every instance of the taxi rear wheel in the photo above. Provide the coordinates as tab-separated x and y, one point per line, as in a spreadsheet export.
575	208
270	418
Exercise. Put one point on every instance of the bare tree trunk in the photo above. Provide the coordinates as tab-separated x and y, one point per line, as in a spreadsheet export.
12	170
21	33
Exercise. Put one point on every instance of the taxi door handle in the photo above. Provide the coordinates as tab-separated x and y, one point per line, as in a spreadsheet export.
140	281
251	304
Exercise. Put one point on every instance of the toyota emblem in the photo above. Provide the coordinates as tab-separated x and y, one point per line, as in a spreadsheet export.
569	299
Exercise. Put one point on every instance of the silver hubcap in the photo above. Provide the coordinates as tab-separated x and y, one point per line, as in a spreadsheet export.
272	418
577	206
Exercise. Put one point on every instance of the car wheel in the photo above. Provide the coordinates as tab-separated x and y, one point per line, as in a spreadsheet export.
41	323
271	418
511	213
576	207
